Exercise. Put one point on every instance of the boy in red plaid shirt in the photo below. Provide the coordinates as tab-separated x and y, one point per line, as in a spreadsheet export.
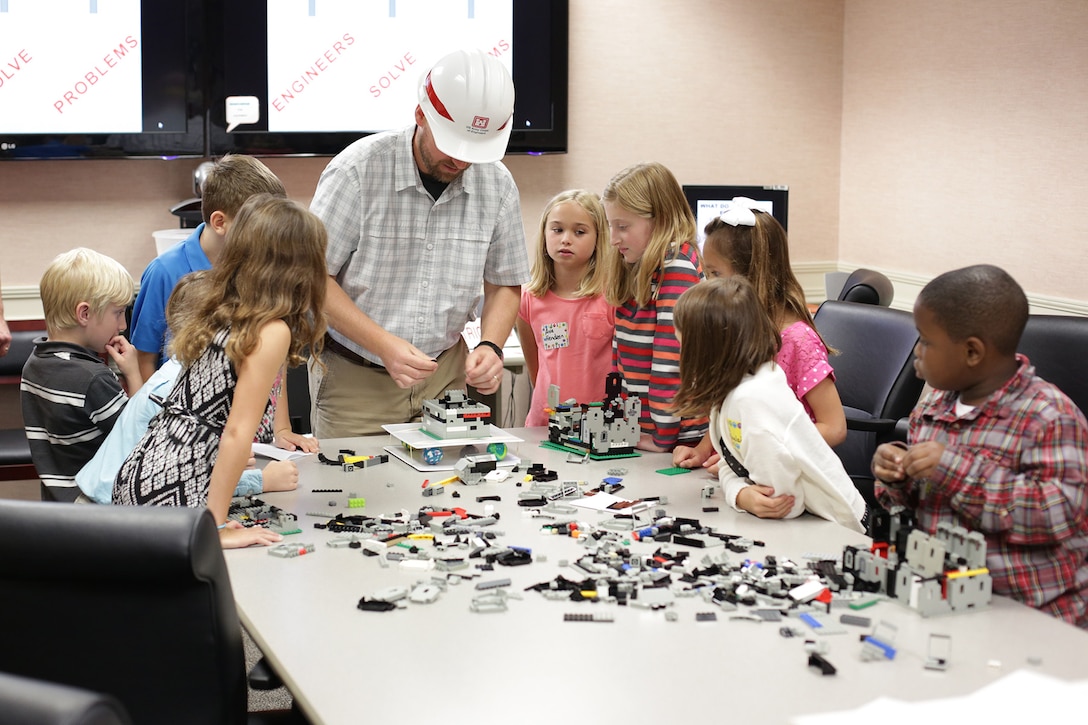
993	447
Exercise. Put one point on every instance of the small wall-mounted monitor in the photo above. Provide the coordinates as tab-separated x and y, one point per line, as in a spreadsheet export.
708	202
101	78
312	76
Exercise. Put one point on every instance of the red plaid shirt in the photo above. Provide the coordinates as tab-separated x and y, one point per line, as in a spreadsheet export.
1015	469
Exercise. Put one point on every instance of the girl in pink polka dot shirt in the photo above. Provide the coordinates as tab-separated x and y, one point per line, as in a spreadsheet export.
749	242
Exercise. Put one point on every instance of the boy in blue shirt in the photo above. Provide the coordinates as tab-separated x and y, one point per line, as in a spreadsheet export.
232	180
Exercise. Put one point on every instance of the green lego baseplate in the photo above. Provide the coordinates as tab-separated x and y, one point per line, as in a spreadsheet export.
673	470
593	456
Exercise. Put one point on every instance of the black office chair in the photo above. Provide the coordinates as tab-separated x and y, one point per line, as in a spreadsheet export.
874	374
867	286
35	702
1057	345
130	601
15	461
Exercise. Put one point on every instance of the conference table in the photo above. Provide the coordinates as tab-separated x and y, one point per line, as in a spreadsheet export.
441	661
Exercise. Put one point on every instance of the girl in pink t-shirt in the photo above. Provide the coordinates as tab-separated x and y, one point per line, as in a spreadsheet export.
749	242
564	323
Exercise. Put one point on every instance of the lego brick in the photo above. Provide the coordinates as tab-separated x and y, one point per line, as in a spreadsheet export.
817	662
821	623
594	617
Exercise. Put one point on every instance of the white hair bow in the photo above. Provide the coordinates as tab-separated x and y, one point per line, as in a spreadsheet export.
740	212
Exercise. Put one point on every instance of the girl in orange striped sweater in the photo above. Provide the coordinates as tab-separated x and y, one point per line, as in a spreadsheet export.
652	261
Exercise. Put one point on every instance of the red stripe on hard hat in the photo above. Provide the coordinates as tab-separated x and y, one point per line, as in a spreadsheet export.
441	109
504	125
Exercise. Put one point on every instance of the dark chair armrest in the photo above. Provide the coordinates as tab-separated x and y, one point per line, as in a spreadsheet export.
28	700
877	425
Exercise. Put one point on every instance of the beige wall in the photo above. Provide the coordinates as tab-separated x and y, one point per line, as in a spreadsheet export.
914	137
720	91
965	140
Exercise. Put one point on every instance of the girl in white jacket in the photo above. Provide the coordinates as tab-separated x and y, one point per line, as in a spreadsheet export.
775	464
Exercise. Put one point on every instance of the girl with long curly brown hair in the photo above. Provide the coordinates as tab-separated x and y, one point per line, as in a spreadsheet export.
261	304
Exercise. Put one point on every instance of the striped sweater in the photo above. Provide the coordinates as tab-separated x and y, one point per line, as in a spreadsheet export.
646	352
70	401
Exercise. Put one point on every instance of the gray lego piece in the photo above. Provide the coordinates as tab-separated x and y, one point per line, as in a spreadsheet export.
493	584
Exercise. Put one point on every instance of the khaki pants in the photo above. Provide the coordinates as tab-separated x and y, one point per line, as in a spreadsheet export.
356	400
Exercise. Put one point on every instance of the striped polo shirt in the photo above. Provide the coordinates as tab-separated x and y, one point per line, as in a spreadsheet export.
646	352
70	401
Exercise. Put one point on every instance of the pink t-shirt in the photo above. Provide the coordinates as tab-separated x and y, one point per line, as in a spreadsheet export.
803	358
573	345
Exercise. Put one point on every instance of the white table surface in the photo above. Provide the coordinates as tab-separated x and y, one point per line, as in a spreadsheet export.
442	662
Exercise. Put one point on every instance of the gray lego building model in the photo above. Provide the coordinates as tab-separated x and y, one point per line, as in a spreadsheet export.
609	428
455	415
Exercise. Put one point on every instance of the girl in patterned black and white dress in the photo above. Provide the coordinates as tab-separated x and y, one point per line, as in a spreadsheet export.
261	304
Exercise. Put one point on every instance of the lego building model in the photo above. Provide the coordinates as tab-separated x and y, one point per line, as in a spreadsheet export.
602	430
455	415
931	574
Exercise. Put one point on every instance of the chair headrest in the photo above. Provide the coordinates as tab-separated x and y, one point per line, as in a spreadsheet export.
22	345
106	543
867	286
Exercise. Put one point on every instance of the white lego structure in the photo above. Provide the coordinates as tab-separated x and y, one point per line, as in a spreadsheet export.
455	415
936	574
610	428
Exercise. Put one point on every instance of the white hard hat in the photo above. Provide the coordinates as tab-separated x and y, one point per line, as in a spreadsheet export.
468	100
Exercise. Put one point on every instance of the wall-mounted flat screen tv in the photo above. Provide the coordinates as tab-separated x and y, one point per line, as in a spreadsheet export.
101	78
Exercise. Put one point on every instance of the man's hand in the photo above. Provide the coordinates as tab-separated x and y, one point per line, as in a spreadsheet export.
406	364
483	369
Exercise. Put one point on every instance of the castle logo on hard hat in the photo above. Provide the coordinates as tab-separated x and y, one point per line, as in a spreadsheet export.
480	122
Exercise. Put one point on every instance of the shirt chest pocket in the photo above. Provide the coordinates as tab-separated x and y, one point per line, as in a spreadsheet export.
596	326
459	257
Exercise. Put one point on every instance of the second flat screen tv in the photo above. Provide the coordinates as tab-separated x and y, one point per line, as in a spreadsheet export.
311	76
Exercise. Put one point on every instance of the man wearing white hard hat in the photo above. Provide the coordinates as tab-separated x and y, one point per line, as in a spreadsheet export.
420	221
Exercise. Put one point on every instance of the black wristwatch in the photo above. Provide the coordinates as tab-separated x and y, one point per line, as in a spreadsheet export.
493	346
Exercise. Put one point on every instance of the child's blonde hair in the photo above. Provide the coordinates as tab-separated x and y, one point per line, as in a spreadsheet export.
727	334
272	268
652	192
761	254
82	275
592	283
232	180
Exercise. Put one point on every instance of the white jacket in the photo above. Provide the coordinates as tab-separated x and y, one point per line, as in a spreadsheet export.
768	431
